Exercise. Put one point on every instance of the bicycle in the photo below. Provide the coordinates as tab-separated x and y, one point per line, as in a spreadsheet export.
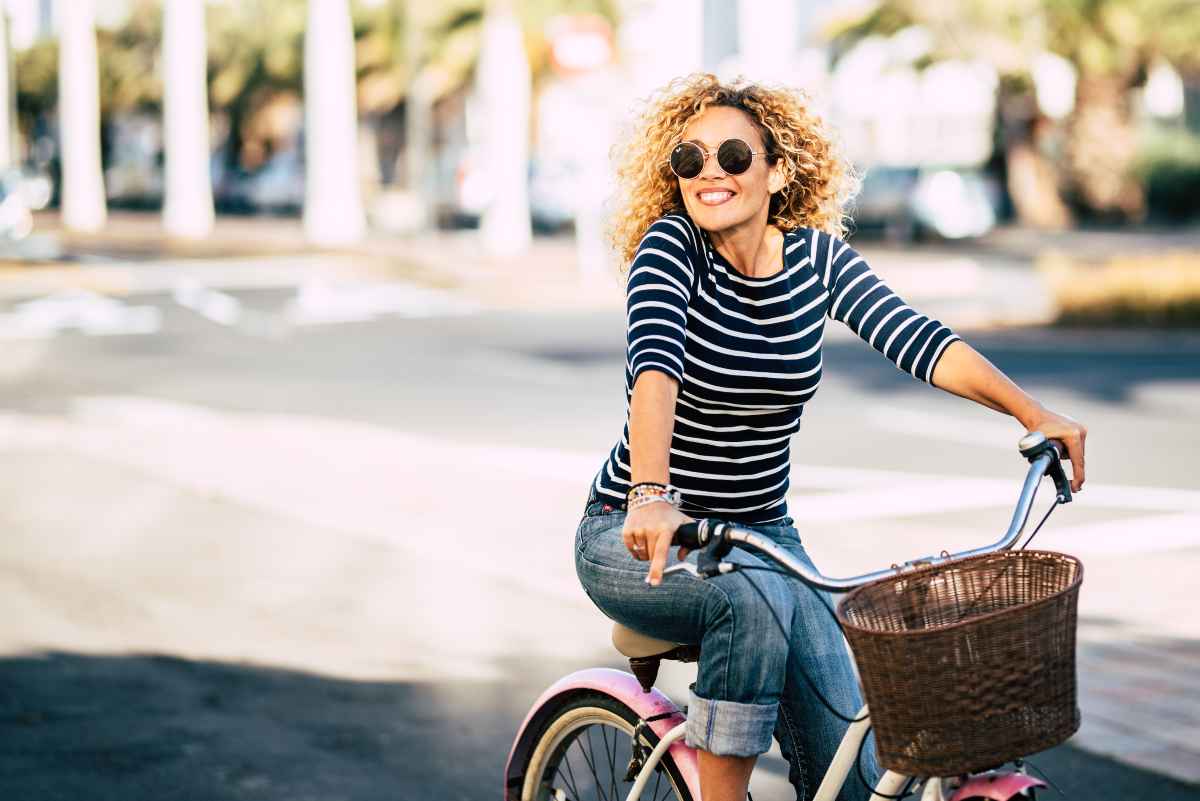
641	730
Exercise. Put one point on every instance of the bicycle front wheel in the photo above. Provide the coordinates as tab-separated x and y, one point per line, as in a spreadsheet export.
584	751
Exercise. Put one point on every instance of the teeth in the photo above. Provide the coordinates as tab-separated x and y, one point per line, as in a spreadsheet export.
713	196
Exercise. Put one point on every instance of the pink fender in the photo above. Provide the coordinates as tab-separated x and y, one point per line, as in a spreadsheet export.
996	786
625	688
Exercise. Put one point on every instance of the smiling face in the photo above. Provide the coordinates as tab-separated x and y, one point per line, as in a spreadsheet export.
719	202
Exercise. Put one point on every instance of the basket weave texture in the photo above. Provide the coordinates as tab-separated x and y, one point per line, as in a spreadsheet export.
969	664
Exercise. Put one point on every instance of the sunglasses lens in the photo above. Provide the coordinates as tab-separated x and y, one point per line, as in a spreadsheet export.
734	156
687	160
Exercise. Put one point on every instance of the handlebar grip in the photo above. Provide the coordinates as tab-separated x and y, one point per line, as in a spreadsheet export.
1035	443
688	535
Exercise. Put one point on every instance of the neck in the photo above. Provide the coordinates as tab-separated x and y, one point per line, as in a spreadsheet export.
751	247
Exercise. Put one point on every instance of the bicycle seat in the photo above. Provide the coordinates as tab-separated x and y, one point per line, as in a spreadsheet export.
646	653
635	645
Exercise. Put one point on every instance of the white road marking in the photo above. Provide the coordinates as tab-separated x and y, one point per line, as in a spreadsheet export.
321	302
344	474
211	304
1142	535
327	292
78	310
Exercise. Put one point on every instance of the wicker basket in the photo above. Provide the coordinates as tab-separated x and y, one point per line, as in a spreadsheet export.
969	664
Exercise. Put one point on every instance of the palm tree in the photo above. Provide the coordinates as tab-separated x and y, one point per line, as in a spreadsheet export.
83	203
1110	43
333	207
503	83
188	205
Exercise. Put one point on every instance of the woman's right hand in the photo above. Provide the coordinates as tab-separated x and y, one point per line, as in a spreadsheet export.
648	532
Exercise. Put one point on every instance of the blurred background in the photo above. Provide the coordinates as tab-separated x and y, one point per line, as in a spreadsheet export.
310	344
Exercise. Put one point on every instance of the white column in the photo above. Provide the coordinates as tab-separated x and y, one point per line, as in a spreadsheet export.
503	84
83	202
333	206
6	94
768	36
188	205
661	40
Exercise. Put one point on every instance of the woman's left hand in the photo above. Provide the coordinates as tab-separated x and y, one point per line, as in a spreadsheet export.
1072	433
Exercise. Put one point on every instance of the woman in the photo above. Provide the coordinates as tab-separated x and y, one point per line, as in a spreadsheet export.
732	212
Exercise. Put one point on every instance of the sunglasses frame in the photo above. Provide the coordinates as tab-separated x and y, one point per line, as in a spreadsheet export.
706	153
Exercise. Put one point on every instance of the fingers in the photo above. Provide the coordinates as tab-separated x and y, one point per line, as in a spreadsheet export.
1075	446
1073	435
662	547
635	543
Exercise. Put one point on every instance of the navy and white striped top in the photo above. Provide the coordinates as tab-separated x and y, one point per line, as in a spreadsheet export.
747	355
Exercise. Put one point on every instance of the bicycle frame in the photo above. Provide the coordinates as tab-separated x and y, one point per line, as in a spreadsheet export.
890	783
670	732
835	775
625	688
670	726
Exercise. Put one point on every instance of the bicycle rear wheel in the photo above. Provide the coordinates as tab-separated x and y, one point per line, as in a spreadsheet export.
584	751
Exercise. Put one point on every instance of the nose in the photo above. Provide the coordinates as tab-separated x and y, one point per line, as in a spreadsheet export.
711	168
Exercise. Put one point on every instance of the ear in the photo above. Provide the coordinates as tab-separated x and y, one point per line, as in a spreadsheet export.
775	179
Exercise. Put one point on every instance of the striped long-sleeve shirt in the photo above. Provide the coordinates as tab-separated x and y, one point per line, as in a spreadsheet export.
746	352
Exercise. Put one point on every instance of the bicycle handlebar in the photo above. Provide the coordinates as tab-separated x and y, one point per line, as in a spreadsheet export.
717	538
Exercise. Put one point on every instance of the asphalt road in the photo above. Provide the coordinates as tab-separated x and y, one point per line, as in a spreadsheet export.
253	559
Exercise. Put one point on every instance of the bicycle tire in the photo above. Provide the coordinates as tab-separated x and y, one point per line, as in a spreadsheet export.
574	718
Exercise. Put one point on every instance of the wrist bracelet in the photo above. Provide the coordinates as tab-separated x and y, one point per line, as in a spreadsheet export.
649	491
646	500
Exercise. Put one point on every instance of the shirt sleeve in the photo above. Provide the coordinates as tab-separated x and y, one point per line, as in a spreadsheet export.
857	297
658	291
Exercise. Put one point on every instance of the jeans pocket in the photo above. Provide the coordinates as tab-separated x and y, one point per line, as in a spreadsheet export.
591	527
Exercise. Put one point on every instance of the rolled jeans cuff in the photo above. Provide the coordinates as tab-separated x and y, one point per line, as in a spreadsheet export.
729	728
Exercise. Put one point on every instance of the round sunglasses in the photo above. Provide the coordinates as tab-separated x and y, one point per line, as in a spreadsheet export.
733	156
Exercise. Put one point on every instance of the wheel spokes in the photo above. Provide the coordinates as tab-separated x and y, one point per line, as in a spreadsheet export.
565	785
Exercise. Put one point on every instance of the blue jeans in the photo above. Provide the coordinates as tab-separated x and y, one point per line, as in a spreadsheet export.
750	684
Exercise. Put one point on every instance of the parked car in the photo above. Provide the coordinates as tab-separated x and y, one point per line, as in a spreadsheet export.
276	187
20	195
911	202
35	186
553	194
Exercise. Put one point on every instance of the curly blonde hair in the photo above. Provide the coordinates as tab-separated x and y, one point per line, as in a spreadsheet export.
818	182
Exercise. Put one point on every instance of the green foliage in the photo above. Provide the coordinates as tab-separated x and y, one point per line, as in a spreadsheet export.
256	50
1168	164
37	79
130	77
1101	37
254	47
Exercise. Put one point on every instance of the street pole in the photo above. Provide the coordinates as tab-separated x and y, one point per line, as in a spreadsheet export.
83	202
188	205
333	206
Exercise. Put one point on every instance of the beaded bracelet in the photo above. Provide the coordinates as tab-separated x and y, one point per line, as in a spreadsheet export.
646	492
645	500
